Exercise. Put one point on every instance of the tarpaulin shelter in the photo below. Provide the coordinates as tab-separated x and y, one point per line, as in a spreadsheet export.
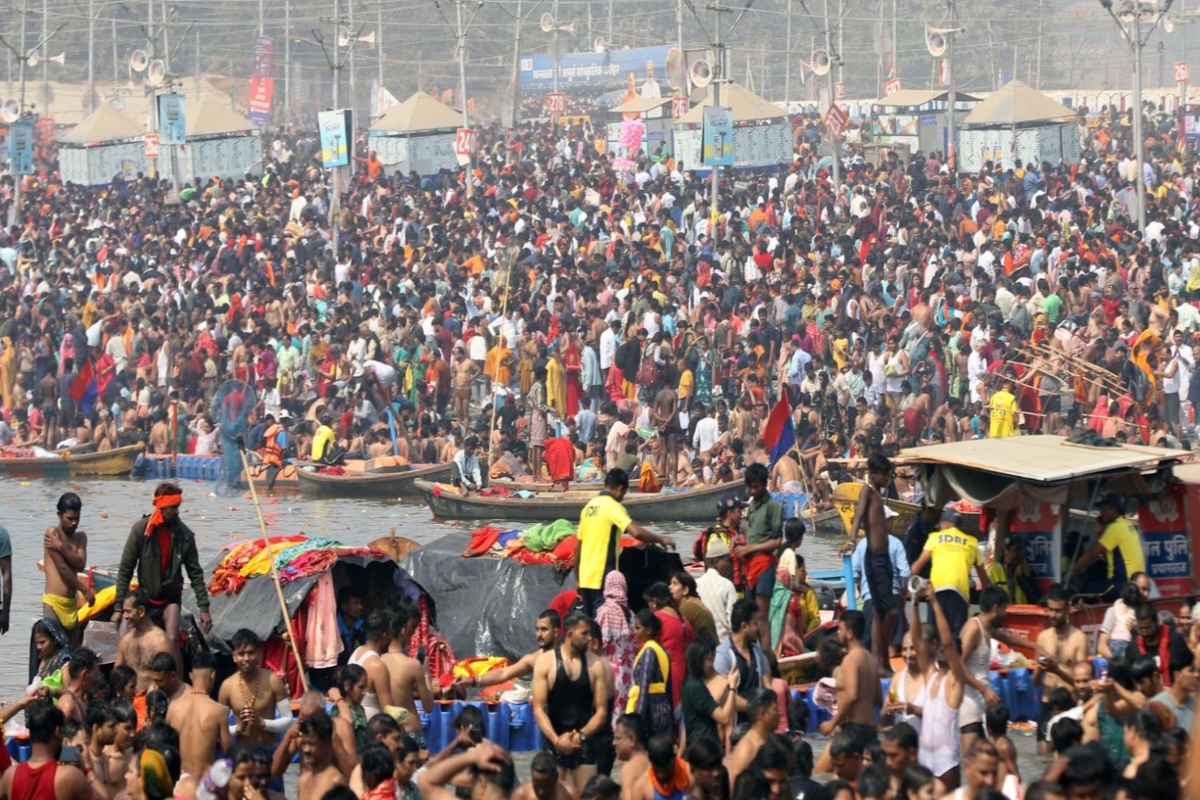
1018	125
762	133
221	143
417	135
105	146
242	595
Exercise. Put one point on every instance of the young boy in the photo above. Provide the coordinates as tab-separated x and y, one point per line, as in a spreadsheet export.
117	754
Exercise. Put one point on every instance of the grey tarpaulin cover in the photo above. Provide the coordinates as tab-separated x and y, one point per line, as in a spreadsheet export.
488	606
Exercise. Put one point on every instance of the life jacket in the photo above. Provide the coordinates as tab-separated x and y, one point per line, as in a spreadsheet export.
272	453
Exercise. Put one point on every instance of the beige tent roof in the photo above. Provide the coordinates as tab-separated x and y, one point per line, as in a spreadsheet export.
640	105
914	98
746	106
1017	104
421	112
211	117
105	124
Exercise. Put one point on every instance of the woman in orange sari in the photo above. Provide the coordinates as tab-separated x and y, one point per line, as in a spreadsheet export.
573	364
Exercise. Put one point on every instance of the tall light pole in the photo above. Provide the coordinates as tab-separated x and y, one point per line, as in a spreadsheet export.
1130	23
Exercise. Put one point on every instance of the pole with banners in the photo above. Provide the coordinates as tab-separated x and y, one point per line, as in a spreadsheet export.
1181	78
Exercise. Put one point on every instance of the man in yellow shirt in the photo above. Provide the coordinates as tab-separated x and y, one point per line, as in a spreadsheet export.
1120	544
1003	411
601	525
953	554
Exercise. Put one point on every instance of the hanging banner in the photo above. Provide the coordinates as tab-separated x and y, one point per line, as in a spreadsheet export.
1165	536
336	128
20	147
172	120
1036	525
717	137
258	109
263	64
151	142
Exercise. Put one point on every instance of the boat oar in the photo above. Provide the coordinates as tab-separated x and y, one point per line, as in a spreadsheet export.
287	618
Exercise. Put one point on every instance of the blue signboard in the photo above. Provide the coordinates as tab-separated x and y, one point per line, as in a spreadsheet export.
642	71
336	129
172	120
20	147
717	137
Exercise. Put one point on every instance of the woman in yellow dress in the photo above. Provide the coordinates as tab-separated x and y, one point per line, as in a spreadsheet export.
8	372
556	383
529	354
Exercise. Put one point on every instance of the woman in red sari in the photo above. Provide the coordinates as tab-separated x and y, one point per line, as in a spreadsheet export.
573	365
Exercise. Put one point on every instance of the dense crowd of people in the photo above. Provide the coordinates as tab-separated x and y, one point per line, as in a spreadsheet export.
542	295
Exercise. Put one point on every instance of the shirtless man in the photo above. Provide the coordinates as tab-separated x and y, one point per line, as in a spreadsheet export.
877	565
386	731
858	687
546	633
310	703
84	669
102	730
165	677
160	436
407	677
630	751
202	722
543	783
1069	647
378	630
143	640
258	698
318	772
785	475
665	413
117	754
465	373
763	713
65	555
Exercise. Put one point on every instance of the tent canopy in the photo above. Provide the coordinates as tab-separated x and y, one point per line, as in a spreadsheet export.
745	104
915	98
213	118
421	112
105	124
1017	104
640	105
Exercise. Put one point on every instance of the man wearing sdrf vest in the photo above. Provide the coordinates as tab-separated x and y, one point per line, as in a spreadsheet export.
954	554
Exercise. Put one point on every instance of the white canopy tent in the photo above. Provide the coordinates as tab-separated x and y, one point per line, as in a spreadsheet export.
416	135
105	146
762	134
1018	125
221	143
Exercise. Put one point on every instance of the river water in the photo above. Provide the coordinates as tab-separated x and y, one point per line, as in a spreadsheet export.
110	507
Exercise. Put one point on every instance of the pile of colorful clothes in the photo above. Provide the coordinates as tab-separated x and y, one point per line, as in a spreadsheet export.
544	543
295	557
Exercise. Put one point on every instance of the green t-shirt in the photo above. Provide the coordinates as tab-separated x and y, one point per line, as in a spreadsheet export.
1052	308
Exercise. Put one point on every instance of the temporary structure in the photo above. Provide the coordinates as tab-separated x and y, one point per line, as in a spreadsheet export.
762	135
416	135
917	118
656	131
221	143
107	145
1018	125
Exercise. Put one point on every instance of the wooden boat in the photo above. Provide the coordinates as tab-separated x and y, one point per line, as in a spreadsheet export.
110	463
695	505
367	485
14	464
845	503
545	486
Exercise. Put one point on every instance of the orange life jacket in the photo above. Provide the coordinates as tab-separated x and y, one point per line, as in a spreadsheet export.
272	453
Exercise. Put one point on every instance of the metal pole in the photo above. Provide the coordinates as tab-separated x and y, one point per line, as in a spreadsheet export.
841	64
554	41
379	58
837	150
21	81
718	77
787	64
166	29
462	84
197	63
335	177
150	29
45	59
895	46
608	39
1041	34
287	60
1138	142
353	75
952	145
91	90
260	18
116	69
516	74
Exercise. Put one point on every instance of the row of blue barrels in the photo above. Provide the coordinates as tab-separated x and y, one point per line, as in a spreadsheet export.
200	468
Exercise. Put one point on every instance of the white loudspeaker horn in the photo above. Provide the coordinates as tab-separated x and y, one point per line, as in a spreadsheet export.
1169	23
156	71
568	28
11	110
701	73
59	59
33	59
138	61
821	62
367	38
599	46
935	42
343	36
547	22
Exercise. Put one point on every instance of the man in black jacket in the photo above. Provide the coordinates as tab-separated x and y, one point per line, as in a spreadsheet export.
160	547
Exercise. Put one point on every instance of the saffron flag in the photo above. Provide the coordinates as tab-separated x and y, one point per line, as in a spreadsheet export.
780	434
84	390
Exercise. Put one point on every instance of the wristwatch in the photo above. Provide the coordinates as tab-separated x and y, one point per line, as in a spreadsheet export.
582	736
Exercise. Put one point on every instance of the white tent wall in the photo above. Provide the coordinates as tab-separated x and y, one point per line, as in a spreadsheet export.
221	157
97	166
754	146
427	153
1056	143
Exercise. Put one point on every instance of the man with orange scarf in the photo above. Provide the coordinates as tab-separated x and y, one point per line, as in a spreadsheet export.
160	547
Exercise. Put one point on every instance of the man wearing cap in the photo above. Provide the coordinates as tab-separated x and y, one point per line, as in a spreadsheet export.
715	589
1121	546
953	554
726	531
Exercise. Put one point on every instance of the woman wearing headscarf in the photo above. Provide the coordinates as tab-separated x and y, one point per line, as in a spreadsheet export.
152	774
650	695
620	647
49	648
